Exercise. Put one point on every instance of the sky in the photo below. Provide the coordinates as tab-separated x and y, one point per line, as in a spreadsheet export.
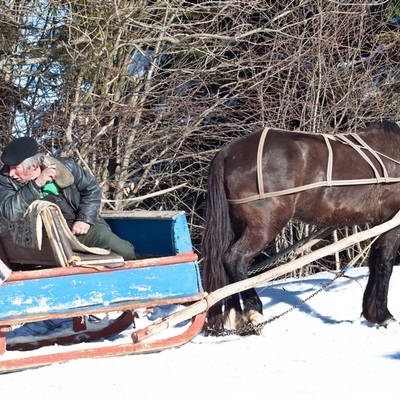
324	349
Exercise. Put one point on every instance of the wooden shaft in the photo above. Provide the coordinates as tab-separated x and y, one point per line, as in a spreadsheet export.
216	296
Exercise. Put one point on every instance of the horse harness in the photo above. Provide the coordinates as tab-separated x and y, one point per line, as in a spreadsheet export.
359	146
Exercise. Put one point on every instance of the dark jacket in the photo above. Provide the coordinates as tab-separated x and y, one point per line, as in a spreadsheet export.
79	187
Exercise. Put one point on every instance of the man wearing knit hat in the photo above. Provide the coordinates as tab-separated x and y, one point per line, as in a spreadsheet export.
27	176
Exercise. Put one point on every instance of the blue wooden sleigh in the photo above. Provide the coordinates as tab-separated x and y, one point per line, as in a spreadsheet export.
78	286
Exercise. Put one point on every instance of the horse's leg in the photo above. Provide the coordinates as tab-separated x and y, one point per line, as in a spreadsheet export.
381	260
233	317
254	238
236	261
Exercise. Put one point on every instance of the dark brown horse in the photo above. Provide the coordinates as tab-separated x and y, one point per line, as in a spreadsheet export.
237	231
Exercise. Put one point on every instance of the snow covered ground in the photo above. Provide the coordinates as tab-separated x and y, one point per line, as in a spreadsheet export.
323	350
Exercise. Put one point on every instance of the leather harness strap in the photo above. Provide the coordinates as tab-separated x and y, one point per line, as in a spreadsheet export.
260	179
360	148
329	167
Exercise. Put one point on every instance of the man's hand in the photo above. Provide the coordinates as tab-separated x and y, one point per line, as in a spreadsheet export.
80	228
47	175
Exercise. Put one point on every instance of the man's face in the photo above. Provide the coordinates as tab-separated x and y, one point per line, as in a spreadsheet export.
22	174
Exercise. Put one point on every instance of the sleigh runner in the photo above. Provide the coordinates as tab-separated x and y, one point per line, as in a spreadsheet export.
83	287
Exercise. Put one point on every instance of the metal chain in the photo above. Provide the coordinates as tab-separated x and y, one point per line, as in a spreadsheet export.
249	328
263	268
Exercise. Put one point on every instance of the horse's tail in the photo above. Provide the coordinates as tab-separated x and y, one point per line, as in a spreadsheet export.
217	238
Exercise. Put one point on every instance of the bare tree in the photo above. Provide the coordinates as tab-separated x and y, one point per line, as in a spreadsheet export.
145	93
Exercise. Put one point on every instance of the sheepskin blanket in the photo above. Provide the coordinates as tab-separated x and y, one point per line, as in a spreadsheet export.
28	231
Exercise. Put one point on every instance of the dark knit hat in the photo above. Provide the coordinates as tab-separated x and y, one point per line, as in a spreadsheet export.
19	150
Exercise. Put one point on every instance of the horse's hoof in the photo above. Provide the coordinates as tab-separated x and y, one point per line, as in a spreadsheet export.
256	319
389	322
234	320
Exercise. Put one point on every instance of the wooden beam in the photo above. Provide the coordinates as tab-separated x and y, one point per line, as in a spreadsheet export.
216	296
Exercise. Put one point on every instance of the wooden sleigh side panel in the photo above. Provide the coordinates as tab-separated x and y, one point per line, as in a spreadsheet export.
35	296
